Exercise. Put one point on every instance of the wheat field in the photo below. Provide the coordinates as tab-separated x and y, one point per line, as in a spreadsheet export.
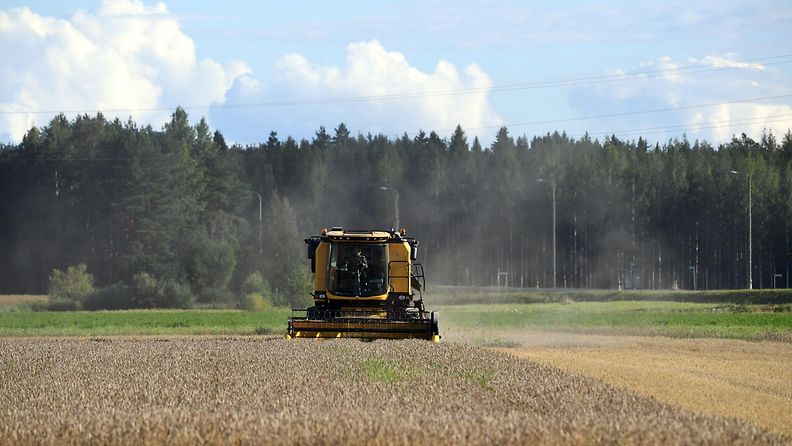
254	390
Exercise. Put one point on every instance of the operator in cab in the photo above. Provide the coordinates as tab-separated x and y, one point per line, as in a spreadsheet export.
357	266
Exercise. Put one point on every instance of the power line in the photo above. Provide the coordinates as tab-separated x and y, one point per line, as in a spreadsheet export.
630	113
639	75
701	126
612	115
588	80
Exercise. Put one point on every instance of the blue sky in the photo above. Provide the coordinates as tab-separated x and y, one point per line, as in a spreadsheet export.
294	65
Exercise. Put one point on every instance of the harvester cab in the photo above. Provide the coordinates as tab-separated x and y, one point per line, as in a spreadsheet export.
367	284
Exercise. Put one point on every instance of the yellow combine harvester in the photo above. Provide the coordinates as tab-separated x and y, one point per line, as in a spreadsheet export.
363	288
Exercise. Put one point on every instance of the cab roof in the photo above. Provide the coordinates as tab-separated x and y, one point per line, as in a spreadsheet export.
340	234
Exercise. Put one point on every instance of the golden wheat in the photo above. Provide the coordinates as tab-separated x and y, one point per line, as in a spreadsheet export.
253	390
748	380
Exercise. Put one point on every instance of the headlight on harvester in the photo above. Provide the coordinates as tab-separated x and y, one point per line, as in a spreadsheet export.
402	297
321	295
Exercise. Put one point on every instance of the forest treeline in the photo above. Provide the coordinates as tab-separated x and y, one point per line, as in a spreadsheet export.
180	204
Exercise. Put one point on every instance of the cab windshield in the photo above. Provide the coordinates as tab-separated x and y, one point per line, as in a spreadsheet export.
358	269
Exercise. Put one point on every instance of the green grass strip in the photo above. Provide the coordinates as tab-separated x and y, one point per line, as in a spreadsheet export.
140	322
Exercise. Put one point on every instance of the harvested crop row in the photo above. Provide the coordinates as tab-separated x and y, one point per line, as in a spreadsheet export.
254	390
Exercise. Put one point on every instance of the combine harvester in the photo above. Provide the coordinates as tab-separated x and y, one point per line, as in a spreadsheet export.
363	288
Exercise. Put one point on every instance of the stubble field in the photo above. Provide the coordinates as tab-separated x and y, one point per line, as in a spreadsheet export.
745	379
188	390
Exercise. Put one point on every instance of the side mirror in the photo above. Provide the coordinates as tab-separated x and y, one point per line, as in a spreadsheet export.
413	253
312	245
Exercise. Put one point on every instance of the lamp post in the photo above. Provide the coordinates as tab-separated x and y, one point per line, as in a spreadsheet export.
750	235
395	204
553	187
261	250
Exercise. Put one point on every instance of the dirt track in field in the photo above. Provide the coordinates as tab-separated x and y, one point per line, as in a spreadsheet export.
15	300
745	379
187	390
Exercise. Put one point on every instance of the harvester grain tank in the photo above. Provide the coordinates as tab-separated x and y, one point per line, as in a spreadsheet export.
367	284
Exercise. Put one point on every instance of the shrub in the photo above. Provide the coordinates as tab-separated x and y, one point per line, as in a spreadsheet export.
69	288
256	293
255	283
60	306
113	297
144	290
254	302
173	294
148	292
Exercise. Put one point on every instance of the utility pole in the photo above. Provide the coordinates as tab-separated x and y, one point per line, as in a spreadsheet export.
261	249
750	223
395	204
553	187
750	236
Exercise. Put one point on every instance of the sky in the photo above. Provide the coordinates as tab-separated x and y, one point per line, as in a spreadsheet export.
667	69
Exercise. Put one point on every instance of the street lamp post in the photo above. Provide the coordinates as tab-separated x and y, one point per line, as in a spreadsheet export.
750	234
553	187
395	204
261	250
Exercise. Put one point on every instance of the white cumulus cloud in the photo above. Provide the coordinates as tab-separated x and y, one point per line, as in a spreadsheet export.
727	120
130	58
126	58
375	91
726	62
723	81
